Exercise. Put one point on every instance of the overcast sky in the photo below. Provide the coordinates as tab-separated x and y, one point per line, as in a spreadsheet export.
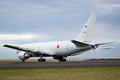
27	21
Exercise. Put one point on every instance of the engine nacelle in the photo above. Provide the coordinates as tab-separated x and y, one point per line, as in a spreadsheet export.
23	55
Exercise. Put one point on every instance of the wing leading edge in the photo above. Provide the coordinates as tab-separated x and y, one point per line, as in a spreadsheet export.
25	49
18	48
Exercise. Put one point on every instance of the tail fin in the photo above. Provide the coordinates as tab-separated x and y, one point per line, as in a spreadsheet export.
86	33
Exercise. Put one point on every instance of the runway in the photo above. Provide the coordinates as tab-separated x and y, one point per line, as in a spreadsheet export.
71	64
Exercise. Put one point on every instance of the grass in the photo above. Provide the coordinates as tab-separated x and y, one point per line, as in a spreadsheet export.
96	73
3	63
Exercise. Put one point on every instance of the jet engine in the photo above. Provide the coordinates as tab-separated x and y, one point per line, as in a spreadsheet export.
23	55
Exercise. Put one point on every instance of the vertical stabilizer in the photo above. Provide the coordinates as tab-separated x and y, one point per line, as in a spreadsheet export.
86	33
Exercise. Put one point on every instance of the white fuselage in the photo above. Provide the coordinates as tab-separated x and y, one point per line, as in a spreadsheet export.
58	48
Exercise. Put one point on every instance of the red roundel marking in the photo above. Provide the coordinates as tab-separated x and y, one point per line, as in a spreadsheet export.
58	46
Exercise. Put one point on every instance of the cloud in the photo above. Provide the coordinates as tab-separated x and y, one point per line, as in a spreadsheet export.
16	36
106	33
46	17
108	7
31	16
24	38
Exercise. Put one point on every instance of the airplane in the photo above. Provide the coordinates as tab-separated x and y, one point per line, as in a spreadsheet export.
59	50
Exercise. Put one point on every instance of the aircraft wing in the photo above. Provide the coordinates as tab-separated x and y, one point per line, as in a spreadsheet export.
24	49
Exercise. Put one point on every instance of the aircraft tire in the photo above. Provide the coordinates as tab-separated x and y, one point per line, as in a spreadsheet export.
41	60
62	60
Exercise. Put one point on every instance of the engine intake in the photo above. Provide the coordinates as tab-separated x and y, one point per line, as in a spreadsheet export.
23	55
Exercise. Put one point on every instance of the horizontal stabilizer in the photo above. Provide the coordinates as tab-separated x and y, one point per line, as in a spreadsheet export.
104	43
79	44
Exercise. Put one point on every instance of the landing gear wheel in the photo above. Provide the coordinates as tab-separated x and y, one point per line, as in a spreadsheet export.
23	60
62	60
41	60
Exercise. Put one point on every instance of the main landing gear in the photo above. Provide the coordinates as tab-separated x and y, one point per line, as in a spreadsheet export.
62	60
23	60
41	59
